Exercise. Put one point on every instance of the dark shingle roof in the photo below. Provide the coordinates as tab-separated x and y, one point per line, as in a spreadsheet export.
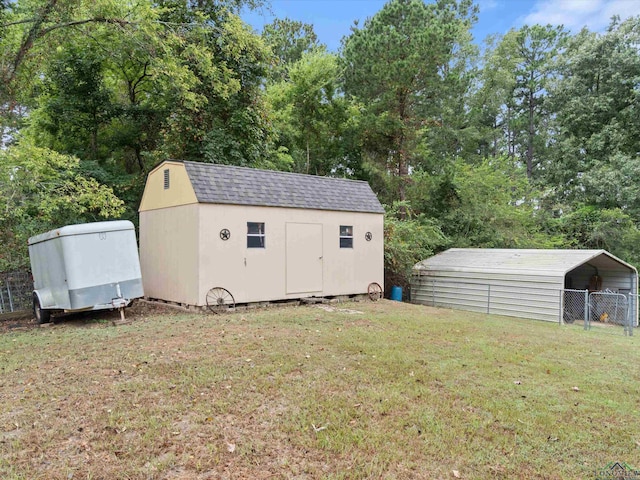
214	183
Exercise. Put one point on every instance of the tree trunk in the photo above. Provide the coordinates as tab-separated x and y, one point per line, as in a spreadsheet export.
494	147
511	151
531	133
94	138
403	176
403	165
138	152
27	43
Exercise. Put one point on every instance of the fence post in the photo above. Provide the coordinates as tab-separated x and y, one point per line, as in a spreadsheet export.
10	298
587	313
630	308
632	316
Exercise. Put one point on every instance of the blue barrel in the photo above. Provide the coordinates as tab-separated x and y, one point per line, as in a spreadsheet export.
396	293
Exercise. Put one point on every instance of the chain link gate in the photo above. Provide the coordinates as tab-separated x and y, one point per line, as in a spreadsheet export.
610	307
604	307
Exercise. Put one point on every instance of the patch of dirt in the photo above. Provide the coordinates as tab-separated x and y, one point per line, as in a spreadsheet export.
329	308
17	321
144	308
139	310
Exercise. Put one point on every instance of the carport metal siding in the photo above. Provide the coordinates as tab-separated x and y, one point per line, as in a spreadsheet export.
533	296
616	280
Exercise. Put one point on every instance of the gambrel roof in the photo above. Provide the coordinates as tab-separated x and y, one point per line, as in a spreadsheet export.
224	184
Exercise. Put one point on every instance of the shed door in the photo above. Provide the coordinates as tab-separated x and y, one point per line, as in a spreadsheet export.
304	257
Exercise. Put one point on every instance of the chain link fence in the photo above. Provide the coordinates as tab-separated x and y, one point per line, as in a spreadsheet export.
15	292
603	308
575	307
633	318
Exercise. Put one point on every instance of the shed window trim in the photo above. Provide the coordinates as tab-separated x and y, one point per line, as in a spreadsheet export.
346	236
255	235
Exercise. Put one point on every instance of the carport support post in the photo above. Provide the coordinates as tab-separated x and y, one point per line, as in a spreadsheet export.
630	308
561	307
587	323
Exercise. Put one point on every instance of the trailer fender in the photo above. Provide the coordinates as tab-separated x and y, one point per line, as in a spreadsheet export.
45	297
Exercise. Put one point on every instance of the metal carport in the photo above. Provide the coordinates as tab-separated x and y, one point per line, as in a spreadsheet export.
518	282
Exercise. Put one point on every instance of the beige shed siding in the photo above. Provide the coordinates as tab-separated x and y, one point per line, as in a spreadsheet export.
169	253
259	274
180	191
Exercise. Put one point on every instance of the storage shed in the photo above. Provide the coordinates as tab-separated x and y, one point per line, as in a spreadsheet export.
518	282
259	235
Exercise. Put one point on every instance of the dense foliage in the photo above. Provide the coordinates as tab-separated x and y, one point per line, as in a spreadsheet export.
40	188
533	143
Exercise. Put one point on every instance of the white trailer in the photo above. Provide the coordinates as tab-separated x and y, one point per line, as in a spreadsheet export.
90	266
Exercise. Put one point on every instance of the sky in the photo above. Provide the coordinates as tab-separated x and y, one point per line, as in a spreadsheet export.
332	19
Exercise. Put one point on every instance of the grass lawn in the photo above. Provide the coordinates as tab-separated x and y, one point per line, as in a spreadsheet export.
390	391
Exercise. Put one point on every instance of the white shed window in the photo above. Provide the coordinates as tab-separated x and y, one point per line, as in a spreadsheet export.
346	236
255	235
166	179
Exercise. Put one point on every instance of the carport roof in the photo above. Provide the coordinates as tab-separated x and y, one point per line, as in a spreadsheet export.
520	261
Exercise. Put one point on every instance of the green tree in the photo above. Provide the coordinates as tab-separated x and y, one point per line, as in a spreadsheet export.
588	226
315	123
449	128
75	105
519	69
537	46
41	189
492	104
395	66
489	204
217	114
288	40
595	156
181	79
408	239
123	85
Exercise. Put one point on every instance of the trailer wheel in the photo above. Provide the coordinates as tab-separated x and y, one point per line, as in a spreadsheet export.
219	300
374	290
42	315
